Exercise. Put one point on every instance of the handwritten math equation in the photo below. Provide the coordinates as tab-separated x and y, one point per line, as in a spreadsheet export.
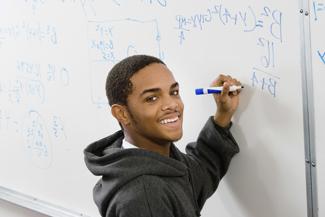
111	41
267	20
27	88
32	81
37	133
318	13
28	31
318	9
247	20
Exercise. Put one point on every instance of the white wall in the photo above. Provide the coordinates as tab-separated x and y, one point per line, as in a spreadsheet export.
11	210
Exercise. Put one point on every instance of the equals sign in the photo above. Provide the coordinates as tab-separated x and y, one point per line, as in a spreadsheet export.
259	23
321	6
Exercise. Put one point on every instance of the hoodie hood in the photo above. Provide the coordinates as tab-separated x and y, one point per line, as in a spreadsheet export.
119	166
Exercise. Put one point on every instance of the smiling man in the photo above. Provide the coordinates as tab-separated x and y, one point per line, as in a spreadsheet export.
143	173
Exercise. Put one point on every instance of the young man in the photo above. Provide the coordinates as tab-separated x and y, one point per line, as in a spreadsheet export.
143	173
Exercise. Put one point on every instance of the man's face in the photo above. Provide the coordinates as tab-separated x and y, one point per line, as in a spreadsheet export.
155	107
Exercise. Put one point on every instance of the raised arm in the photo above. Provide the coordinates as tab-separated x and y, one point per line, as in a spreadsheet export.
210	155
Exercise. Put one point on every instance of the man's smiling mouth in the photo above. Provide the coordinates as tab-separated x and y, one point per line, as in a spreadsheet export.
169	120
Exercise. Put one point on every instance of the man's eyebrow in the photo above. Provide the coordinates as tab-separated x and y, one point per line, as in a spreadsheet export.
153	90
174	85
150	91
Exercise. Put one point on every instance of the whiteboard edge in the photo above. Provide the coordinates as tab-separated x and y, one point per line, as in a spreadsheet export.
36	204
308	110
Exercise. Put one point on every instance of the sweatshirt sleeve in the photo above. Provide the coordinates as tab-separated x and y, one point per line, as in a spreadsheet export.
209	158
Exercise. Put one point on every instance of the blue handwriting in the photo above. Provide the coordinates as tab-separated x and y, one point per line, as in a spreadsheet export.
46	72
106	37
162	3
35	4
248	20
113	40
58	73
317	8
321	55
8	122
87	5
18	89
27	69
58	128
265	81
32	126
267	60
30	32
35	135
31	81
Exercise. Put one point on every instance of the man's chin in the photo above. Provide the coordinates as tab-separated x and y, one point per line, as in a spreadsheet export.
177	137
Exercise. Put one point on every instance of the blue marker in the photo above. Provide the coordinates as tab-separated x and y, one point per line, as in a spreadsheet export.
209	90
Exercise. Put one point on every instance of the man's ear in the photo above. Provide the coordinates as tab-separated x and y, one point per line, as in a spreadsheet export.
120	113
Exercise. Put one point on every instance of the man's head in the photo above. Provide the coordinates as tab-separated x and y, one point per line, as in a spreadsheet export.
118	83
144	98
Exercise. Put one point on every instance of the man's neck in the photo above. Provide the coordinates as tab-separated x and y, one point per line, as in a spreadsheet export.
144	143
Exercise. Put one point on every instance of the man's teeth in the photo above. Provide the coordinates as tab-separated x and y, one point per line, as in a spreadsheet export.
166	121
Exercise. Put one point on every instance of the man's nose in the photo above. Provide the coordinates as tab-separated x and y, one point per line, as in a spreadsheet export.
169	104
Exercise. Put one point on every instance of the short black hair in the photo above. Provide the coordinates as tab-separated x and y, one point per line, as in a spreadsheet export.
118	83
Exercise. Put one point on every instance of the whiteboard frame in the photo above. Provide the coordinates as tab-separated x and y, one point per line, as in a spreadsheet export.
308	110
36	204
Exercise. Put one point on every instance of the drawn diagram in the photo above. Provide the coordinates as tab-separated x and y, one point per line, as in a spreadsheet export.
111	41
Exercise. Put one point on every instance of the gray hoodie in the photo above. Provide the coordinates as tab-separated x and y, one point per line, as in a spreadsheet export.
141	183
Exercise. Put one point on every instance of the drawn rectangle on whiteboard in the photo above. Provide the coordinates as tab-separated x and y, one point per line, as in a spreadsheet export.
111	41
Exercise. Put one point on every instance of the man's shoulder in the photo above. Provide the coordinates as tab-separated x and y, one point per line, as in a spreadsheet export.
142	185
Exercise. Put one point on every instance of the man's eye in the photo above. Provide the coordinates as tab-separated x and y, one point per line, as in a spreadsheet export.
151	98
175	92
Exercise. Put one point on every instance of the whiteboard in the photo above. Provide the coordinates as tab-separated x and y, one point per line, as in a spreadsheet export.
55	56
317	23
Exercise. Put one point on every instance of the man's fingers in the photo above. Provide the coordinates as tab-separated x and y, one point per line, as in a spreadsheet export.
225	90
226	81
218	82
235	93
